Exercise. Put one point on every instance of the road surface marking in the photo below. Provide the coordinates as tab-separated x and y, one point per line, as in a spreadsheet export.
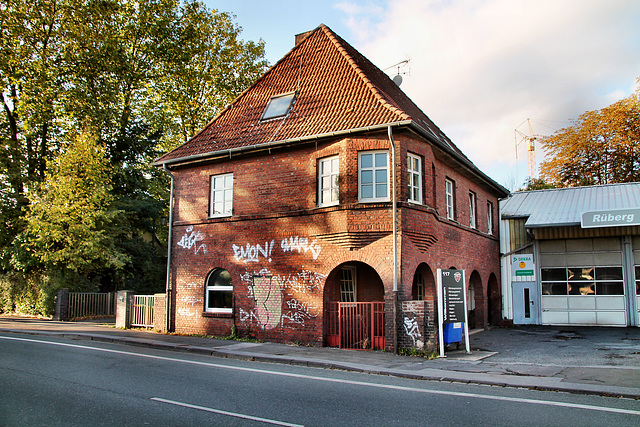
341	381
231	414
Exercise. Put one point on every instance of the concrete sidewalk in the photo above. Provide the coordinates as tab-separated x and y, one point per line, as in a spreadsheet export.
604	361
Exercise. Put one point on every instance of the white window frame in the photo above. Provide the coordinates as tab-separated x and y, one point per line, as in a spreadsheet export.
450	196
328	184
473	223
210	287
489	218
376	172
221	187
414	178
348	286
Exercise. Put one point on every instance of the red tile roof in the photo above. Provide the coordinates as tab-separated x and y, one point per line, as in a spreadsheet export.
338	90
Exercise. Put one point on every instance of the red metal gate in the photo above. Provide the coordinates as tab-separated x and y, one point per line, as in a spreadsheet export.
355	325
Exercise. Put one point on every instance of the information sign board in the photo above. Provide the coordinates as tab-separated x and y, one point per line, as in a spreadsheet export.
453	296
452	303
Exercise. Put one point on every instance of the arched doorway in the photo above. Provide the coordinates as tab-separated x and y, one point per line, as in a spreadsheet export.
424	284
474	301
494	301
354	307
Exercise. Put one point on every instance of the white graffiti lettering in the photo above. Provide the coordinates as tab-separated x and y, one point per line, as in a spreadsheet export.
184	311
190	240
413	331
301	244
247	316
298	313
191	300
252	253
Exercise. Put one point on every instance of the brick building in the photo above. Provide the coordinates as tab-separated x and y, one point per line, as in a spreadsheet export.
283	211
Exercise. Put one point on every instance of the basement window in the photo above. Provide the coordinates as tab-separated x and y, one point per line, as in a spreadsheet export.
279	106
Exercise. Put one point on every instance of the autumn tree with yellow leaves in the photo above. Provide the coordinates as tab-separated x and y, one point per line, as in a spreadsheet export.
601	147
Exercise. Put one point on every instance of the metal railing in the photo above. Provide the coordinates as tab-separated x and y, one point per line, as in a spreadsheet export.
141	311
355	325
87	304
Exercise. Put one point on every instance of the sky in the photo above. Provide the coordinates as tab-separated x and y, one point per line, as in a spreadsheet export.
482	70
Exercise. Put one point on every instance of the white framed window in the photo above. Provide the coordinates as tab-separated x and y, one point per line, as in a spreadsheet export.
348	284
489	218
221	201
219	292
373	176
472	210
449	191
414	172
328	175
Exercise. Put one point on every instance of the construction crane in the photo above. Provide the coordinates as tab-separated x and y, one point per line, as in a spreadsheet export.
531	146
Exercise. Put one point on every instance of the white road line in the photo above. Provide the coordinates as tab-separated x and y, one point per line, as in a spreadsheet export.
231	414
350	382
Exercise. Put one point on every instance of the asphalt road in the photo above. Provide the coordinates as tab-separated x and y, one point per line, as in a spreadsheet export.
47	382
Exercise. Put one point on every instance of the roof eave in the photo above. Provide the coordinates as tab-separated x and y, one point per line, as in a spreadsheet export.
462	159
397	124
273	144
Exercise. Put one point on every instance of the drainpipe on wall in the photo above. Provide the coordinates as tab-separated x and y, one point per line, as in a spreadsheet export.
169	247
395	239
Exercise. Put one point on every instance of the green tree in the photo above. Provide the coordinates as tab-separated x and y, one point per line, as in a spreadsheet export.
537	184
146	76
71	224
601	147
209	67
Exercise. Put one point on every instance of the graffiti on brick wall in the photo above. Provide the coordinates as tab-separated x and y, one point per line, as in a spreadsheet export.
298	312
252	253
412	330
191	239
186	312
301	244
272	309
247	316
190	300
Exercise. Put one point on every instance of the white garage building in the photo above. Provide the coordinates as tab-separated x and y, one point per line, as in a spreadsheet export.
571	256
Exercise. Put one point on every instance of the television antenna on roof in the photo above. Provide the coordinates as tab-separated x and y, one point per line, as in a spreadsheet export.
397	79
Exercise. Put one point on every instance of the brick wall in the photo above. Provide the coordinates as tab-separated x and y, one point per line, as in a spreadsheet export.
284	253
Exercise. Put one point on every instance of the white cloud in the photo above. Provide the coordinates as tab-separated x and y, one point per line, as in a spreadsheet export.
480	68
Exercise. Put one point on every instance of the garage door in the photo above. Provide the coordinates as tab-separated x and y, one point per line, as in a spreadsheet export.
582	282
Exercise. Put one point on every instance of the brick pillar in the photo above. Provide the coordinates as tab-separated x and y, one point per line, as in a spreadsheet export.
160	312
122	309
62	305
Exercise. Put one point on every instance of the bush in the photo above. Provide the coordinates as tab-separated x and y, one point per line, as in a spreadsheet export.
30	294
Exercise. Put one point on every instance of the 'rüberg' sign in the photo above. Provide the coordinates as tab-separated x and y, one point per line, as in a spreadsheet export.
611	218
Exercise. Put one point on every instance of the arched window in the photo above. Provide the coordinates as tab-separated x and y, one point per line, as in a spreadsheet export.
219	292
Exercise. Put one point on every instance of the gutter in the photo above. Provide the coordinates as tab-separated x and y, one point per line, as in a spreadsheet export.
394	216
169	247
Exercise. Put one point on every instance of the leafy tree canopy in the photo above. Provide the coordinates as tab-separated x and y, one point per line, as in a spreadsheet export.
71	223
144	76
601	147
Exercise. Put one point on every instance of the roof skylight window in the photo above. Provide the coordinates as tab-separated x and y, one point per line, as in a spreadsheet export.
279	106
